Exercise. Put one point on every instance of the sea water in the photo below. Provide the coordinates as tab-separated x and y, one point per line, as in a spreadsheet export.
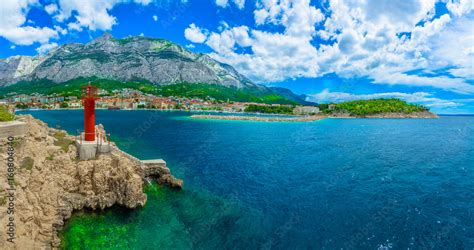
333	183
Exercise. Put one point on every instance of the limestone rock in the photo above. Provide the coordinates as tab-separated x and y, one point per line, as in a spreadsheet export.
156	60
52	184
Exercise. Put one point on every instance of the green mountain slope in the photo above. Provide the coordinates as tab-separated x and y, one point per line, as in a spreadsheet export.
198	90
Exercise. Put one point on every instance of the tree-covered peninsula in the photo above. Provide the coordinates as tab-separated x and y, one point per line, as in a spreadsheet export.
389	108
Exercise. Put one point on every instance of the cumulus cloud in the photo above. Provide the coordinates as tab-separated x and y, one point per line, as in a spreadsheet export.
195	34
454	46
90	14
226	41
51	8
155	18
12	24
380	40
272	56
61	30
224	3
240	3
45	48
460	7
93	15
371	33
221	3
74	26
423	98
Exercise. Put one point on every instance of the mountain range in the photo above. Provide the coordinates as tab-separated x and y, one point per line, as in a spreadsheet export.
153	61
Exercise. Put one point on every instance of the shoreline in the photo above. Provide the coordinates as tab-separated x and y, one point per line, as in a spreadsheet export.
259	118
51	184
423	115
414	115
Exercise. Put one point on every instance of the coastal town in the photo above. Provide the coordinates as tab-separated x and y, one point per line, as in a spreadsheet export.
130	99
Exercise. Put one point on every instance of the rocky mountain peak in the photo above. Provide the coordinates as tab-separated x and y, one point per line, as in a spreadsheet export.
157	61
102	40
104	37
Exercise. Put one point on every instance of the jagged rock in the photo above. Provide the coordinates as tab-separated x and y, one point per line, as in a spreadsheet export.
171	181
157	169
56	184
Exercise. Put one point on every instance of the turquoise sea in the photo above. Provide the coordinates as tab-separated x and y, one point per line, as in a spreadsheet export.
329	184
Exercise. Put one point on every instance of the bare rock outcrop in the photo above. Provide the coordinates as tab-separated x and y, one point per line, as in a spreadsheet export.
157	170
157	61
50	184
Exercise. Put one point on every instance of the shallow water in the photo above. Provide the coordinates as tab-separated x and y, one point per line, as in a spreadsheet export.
334	183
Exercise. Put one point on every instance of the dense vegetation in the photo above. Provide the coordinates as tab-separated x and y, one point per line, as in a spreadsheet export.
197	90
375	106
5	115
269	109
71	87
218	92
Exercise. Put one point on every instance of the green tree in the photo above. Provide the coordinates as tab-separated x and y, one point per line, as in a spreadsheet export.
21	106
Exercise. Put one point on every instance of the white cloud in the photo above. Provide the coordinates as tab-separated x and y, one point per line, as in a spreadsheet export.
363	39
28	35
226	41
45	48
297	16
224	3
12	20
221	3
90	14
143	2
240	3
60	30
241	36
454	46
74	26
457	85
423	98
155	18
272	56
51	8
222	43
460	7
12	47
195	34
369	36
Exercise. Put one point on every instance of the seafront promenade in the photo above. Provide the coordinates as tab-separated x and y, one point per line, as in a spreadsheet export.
260	118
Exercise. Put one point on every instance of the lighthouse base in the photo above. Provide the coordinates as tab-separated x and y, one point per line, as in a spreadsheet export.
90	149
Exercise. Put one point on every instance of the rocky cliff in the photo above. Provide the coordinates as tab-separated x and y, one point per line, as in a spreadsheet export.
134	58
50	184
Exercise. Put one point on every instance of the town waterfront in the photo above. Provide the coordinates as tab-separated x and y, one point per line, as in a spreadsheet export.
333	183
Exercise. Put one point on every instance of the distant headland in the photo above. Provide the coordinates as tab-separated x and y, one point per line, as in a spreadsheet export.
377	108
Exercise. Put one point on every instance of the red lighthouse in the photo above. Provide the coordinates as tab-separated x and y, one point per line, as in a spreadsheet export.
89	94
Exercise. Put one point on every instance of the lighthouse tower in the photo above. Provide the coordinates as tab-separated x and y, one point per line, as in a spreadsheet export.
89	94
91	142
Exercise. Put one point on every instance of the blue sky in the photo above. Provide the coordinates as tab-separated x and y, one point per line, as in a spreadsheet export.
333	50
